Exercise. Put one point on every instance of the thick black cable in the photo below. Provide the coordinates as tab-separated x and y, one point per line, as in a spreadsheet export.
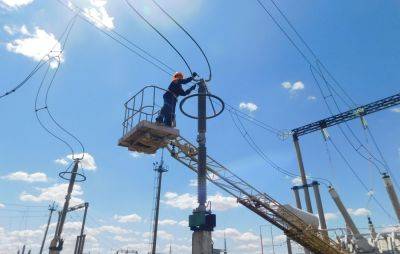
190	36
160	34
46	107
39	65
283	14
382	157
251	142
39	109
359	178
357	150
113	34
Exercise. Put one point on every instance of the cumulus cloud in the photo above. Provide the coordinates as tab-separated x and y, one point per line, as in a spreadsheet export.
87	163
26	177
14	4
167	222
98	15
55	193
128	218
249	106
236	235
161	234
359	212
188	201
395	110
297	86
311	98
36	45
2	205
330	216
297	181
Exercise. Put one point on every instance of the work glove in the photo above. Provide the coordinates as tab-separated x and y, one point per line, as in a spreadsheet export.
194	74
192	88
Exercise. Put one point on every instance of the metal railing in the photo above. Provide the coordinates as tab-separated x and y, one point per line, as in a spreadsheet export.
143	106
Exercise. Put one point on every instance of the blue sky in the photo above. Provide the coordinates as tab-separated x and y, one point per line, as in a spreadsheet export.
252	62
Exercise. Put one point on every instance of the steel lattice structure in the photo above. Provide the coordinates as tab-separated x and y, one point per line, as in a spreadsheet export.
348	115
255	200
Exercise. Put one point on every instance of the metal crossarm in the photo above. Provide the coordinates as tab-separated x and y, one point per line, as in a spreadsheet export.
348	115
258	202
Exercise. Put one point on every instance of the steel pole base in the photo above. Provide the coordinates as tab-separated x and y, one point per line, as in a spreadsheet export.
202	242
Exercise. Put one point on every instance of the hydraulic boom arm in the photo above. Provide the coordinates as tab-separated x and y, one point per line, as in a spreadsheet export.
258	202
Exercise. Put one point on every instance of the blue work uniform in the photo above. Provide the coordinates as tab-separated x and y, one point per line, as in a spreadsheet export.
167	113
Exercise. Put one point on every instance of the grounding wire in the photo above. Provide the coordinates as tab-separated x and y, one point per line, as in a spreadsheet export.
113	34
190	36
160	34
359	178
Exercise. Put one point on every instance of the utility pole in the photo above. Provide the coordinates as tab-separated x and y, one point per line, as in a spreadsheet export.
392	194
225	247
321	214
299	206
261	241
289	245
272	241
52	208
56	244
160	169
80	240
202	222
302	173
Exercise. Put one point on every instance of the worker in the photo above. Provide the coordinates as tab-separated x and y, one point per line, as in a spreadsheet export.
167	113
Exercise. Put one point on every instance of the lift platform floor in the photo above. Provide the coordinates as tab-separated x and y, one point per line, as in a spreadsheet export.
147	137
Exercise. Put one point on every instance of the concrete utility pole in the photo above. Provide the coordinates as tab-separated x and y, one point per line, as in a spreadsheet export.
261	241
302	173
299	206
52	208
160	169
320	208
289	245
202	222
392	194
56	244
80	239
361	242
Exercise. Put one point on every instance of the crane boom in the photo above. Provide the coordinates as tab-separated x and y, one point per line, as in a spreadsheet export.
255	200
348	115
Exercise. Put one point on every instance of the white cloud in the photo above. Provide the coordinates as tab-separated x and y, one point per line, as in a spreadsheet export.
359	212
236	235
167	222
26	177
395	110
63	162
297	181
37	45
249	106
128	218
55	193
108	229
161	234
296	86
311	98
331	216
2	205
184	223
14	4
98	14
188	201
88	161
370	193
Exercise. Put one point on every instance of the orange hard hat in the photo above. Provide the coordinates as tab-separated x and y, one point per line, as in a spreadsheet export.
178	76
